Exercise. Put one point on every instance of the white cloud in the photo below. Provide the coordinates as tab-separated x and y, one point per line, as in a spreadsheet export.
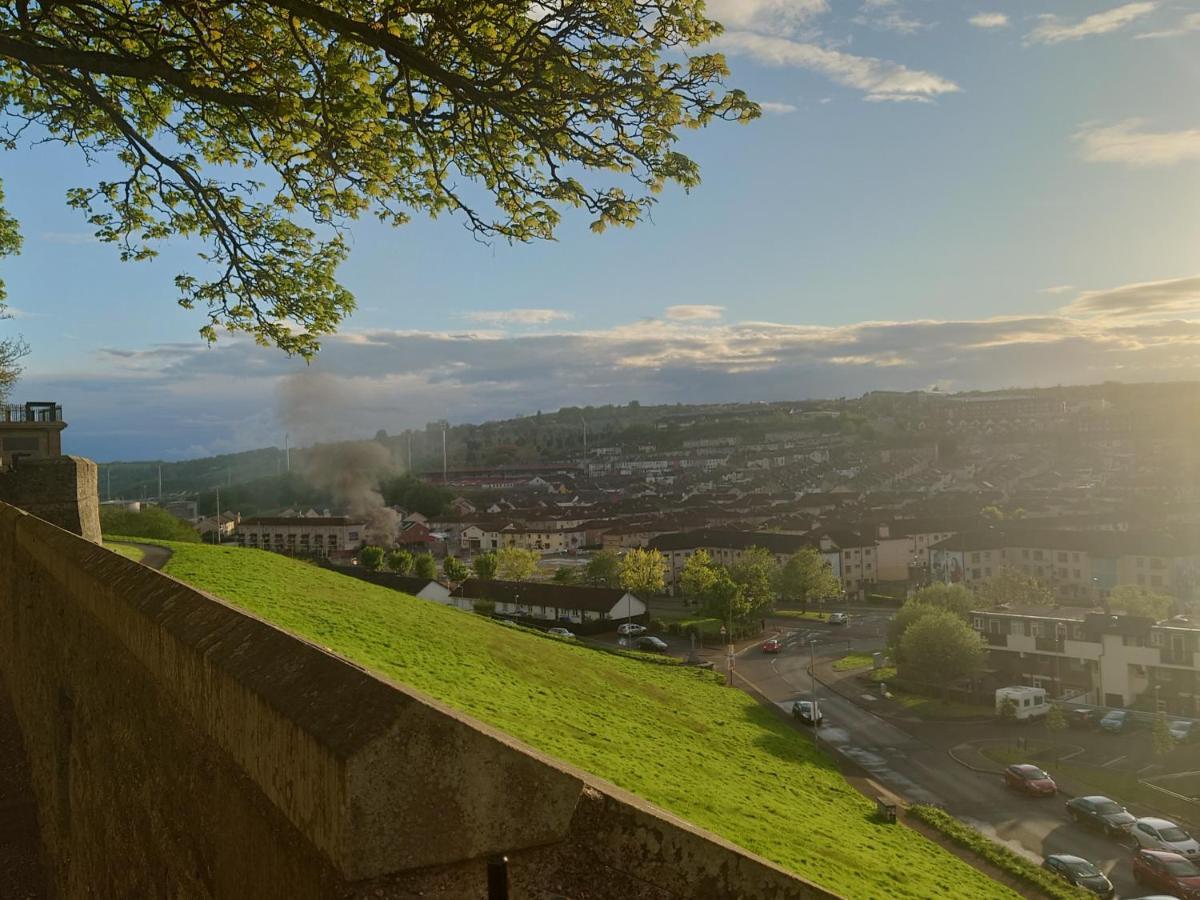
771	16
1126	143
1058	289
694	312
1172	297
1187	25
1053	30
878	79
775	108
189	396
989	20
885	16
518	316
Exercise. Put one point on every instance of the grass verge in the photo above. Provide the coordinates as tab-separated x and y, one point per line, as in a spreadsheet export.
852	661
999	856
810	615
671	734
137	554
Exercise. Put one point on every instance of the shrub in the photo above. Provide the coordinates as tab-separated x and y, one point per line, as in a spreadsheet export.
151	522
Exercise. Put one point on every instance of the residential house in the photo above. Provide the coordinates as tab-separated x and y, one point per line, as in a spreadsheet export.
301	535
551	602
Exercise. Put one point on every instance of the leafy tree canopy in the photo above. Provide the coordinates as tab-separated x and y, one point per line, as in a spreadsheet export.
485	565
698	576
940	648
755	574
516	563
424	566
371	558
642	572
455	569
1014	588
805	577
603	570
260	129
1136	600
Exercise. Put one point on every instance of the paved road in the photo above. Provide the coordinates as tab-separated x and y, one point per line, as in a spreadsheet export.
921	770
156	557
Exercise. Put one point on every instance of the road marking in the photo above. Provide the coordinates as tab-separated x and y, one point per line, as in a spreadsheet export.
870	697
1113	762
1073	753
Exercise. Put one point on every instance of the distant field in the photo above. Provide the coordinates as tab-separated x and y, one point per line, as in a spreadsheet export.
668	733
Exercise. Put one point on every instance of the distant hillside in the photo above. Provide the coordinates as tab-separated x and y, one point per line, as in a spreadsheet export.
669	733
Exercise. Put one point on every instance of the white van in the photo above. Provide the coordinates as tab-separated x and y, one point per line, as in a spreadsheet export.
1029	702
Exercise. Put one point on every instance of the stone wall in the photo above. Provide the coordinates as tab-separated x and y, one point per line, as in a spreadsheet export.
63	491
180	747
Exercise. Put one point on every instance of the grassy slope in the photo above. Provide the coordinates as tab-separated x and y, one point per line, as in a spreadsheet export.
670	734
137	554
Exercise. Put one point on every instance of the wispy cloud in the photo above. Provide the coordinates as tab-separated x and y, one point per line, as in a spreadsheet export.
879	80
1172	297
770	16
518	316
1058	289
694	312
887	16
775	108
1126	142
989	20
1188	24
1054	30
68	237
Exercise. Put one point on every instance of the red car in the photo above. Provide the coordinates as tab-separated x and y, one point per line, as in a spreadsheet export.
1030	780
1168	872
772	645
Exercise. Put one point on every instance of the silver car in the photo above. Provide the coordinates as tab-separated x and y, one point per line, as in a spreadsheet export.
838	619
1161	834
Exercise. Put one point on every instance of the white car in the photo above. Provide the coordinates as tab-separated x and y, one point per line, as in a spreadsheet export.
560	632
838	619
1159	834
631	628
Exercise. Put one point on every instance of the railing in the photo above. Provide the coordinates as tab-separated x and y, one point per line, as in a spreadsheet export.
1049	645
996	640
1176	657
31	412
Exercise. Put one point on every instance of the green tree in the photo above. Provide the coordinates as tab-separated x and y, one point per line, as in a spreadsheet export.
1163	742
697	577
400	561
940	648
1056	723
425	566
643	572
353	108
151	522
904	619
992	513
1135	600
454	569
371	558
725	599
567	575
1015	588
516	563
1008	710
603	570
805	577
485	565
754	574
956	598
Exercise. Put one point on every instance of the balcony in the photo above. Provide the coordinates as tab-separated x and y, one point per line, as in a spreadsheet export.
1049	645
1169	657
31	412
996	640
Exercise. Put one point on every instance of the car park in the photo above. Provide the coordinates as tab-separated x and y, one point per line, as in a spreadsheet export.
1162	834
630	629
1165	871
838	618
1115	721
771	645
1078	871
808	712
1029	779
561	632
1083	717
1101	813
650	644
1183	731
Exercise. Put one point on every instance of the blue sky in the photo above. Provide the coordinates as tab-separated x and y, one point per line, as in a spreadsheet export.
968	194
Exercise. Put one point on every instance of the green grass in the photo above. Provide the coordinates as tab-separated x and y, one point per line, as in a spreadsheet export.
137	554
937	708
671	734
811	615
1117	783
998	855
852	661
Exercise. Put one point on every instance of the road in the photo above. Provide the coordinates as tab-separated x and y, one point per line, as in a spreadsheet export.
920	769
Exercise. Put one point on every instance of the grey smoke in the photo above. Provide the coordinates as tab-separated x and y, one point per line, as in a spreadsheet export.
350	471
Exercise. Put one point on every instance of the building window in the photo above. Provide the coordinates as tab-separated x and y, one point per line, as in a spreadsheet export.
1024	554
1062	556
1156	580
975	574
974	557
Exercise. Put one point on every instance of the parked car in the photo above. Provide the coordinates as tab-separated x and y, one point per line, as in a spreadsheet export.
1107	815
1115	721
1083	717
1183	731
808	712
561	632
1078	871
838	619
629	629
772	645
1029	779
650	644
1162	834
1165	871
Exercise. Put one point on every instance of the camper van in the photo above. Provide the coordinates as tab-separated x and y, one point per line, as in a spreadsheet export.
1028	702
